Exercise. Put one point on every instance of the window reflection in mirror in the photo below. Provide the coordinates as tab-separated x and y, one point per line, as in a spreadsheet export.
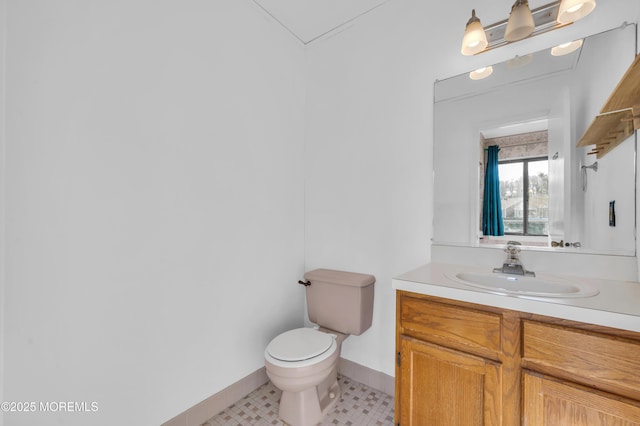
523	172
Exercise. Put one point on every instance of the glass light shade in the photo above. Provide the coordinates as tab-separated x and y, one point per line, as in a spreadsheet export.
520	24
475	39
481	73
519	61
572	10
566	48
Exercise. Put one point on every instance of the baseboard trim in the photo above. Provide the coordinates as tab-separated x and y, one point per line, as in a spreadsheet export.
211	406
367	376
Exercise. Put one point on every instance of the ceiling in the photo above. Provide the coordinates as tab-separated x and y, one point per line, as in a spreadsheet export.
309	20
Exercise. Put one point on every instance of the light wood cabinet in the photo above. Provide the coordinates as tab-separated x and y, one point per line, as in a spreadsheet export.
549	402
468	387
466	364
602	361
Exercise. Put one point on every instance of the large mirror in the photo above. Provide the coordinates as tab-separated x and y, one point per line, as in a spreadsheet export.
535	109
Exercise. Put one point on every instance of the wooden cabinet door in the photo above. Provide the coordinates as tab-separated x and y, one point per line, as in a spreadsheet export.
439	386
549	402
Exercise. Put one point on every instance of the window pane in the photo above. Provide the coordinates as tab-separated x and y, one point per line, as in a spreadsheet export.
538	208
511	196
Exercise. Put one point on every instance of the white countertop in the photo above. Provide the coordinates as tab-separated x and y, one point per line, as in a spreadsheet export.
617	305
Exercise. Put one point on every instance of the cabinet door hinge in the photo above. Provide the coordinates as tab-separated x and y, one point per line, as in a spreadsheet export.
398	359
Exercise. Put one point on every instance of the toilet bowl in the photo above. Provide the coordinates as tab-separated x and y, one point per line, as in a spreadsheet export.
303	363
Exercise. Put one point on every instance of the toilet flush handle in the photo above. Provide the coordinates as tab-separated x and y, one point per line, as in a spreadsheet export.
304	283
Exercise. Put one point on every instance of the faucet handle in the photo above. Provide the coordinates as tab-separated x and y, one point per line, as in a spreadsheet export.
512	249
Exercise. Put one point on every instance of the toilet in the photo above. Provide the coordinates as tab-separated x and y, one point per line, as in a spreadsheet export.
303	362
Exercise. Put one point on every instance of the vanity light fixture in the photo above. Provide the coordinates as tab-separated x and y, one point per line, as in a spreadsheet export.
481	73
522	23
572	10
566	48
475	39
519	61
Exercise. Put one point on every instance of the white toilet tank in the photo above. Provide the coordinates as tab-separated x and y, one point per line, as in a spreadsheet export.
340	301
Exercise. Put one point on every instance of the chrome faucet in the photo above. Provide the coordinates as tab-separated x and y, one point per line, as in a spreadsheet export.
513	265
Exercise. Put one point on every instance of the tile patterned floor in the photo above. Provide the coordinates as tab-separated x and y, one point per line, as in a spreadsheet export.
359	405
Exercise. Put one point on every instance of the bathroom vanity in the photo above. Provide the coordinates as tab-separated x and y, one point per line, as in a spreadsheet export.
470	356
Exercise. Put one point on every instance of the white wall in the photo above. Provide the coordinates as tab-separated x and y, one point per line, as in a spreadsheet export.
154	203
154	198
369	155
561	151
3	23
367	162
600	68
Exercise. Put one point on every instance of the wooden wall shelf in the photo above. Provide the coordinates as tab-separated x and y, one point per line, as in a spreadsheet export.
607	131
619	116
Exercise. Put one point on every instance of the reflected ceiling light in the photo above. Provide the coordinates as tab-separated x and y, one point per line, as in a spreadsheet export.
520	24
475	39
519	61
566	48
481	73
572	10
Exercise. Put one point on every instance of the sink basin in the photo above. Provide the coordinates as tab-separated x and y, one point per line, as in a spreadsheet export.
518	285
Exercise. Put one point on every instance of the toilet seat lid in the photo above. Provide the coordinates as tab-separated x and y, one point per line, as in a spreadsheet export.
299	344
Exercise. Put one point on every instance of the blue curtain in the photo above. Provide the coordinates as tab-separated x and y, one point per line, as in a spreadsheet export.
491	209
